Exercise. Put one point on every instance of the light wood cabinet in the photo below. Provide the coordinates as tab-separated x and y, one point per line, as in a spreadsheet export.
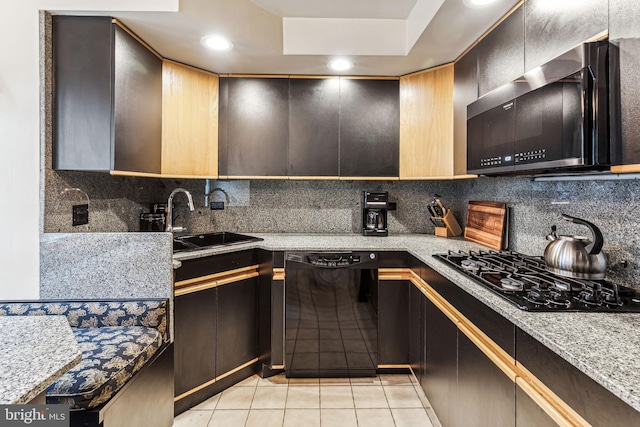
426	125
189	121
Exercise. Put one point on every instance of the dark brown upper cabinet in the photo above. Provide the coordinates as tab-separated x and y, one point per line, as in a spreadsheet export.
624	57
501	54
369	128
254	127
108	98
314	120
465	91
551	29
306	127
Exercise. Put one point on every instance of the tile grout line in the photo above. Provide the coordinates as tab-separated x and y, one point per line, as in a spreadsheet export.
384	390
250	404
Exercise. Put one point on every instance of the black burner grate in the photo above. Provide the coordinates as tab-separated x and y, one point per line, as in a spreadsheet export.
524	281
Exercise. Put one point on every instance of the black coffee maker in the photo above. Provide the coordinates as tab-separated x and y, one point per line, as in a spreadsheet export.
374	213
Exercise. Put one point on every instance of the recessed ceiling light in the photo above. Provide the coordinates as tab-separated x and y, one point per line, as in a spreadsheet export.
216	43
340	65
478	3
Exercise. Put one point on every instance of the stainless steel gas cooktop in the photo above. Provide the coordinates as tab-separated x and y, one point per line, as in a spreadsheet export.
524	281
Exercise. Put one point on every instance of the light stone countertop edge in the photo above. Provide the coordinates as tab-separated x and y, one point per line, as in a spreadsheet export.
36	351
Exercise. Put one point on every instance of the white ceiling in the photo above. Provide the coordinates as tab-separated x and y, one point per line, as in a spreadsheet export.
404	35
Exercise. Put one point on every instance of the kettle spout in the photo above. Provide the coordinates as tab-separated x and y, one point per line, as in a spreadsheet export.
553	235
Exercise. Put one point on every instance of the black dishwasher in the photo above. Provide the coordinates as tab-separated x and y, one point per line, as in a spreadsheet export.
331	314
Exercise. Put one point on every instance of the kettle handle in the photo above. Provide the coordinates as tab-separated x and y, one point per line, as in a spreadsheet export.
596	246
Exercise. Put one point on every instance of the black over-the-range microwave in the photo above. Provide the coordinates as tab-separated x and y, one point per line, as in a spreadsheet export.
553	119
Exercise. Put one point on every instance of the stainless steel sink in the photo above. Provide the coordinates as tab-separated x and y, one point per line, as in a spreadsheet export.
208	240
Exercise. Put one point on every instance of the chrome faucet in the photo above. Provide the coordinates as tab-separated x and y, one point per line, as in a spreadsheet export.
170	228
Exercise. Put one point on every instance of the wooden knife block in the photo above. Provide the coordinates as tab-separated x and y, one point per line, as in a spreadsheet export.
451	228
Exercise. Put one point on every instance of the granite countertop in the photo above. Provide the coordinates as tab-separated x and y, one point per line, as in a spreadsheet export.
34	352
605	346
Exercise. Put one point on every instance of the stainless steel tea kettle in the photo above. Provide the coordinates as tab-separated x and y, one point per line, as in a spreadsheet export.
576	256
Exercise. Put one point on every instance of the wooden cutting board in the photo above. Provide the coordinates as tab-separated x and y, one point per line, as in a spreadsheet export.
487	224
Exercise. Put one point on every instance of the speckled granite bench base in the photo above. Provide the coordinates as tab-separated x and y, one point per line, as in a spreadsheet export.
117	339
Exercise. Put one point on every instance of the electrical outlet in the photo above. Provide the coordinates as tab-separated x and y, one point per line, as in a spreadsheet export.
216	206
80	214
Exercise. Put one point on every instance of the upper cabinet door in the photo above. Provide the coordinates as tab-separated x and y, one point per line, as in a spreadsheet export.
189	121
465	91
552	28
369	128
501	53
314	121
108	97
257	127
624	57
137	105
82	68
426	124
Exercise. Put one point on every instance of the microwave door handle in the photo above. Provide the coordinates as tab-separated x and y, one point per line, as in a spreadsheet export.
590	101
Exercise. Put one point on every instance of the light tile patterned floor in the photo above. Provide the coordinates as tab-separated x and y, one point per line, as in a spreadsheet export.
383	401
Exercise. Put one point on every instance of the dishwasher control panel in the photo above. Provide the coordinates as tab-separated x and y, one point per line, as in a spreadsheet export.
331	259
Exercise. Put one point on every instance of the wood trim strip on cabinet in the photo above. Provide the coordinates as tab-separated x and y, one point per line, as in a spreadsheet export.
371	77
161	175
278	274
252	177
212	280
625	168
138	174
555	407
208	383
257	76
437	178
599	37
182	64
135	36
395	274
394	366
369	178
313	178
426	70
546	399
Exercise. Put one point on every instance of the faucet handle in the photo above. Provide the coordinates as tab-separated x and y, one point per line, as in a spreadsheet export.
179	229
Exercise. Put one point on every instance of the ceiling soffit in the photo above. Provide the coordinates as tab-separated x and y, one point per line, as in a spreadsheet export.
357	27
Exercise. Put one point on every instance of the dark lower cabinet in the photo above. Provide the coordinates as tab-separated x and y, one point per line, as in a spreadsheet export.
416	330
593	402
237	325
485	394
216	329
529	414
393	322
441	374
195	339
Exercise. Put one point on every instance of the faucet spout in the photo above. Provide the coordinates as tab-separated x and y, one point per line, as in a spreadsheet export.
170	228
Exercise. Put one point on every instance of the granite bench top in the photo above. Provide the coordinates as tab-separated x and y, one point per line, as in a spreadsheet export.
34	352
604	346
